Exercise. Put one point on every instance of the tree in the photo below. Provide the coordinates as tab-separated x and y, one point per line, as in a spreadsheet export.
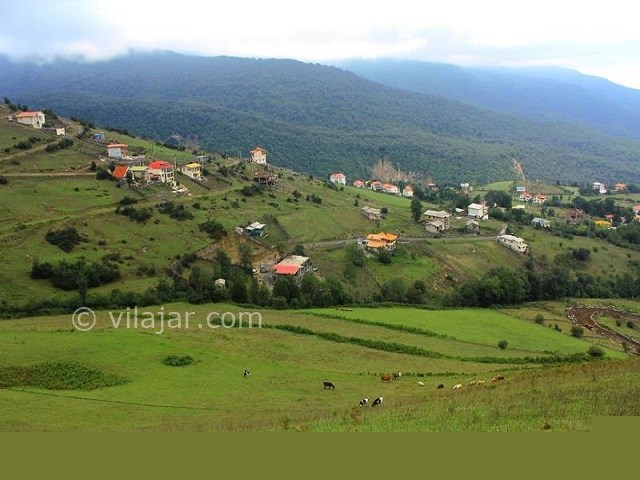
577	331
244	251
503	344
416	209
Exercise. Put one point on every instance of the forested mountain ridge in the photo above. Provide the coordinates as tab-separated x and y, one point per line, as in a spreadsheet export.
537	93
314	118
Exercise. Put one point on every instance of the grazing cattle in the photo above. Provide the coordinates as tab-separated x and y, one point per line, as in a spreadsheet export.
498	378
377	401
397	375
364	401
386	377
246	373
329	385
440	385
421	384
472	383
480	382
457	386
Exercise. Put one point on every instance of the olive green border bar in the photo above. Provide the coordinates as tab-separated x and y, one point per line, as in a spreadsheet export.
594	454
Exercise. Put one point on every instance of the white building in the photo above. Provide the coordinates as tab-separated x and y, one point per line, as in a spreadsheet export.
161	171
338	178
407	191
478	210
116	150
259	156
516	244
33	119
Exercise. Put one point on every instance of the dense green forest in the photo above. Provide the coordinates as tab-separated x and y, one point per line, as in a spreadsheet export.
314	118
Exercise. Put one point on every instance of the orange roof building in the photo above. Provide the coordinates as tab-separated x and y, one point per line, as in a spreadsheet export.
120	172
382	240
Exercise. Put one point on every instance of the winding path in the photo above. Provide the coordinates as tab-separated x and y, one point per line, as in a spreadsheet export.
586	317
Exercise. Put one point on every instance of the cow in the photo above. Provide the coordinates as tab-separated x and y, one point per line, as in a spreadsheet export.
397	375
457	386
386	377
440	385
377	401
472	383
364	401
421	384
329	385
498	378
246	372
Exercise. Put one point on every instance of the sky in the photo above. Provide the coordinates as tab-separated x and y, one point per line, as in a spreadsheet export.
596	38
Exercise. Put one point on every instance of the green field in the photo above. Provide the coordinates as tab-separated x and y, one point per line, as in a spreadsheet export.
287	369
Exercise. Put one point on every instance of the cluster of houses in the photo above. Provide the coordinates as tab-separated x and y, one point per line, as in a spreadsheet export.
138	170
340	178
619	187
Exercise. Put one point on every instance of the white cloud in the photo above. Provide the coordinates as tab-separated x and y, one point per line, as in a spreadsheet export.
589	36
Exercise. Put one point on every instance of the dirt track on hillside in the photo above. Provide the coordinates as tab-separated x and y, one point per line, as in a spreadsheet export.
586	317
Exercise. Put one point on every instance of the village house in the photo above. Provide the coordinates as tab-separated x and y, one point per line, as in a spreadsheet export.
338	178
540	222
161	171
516	244
600	187
620	187
116	150
431	185
255	229
407	191
539	199
294	266
382	241
602	224
437	221
192	170
120	172
265	178
473	226
33	119
371	213
478	210
140	173
359	184
390	188
525	197
259	156
574	216
375	185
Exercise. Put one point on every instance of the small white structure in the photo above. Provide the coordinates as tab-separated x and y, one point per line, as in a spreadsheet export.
33	119
540	222
601	187
116	150
359	184
259	156
371	213
478	211
516	244
220	283
407	191
338	178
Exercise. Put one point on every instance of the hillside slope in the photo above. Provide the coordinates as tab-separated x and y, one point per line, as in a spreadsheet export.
541	94
314	118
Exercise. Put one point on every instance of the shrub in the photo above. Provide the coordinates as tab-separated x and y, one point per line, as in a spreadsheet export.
539	319
595	352
213	228
3	180
577	331
64	239
178	360
503	344
630	324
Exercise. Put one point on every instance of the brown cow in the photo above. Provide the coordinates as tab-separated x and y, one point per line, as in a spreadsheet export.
498	378
386	377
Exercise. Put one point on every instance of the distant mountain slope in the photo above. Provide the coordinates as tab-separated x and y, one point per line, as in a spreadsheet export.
314	118
538	93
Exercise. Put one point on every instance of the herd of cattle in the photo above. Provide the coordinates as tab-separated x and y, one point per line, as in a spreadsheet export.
388	377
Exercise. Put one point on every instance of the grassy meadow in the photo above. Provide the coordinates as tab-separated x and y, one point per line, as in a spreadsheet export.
284	389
